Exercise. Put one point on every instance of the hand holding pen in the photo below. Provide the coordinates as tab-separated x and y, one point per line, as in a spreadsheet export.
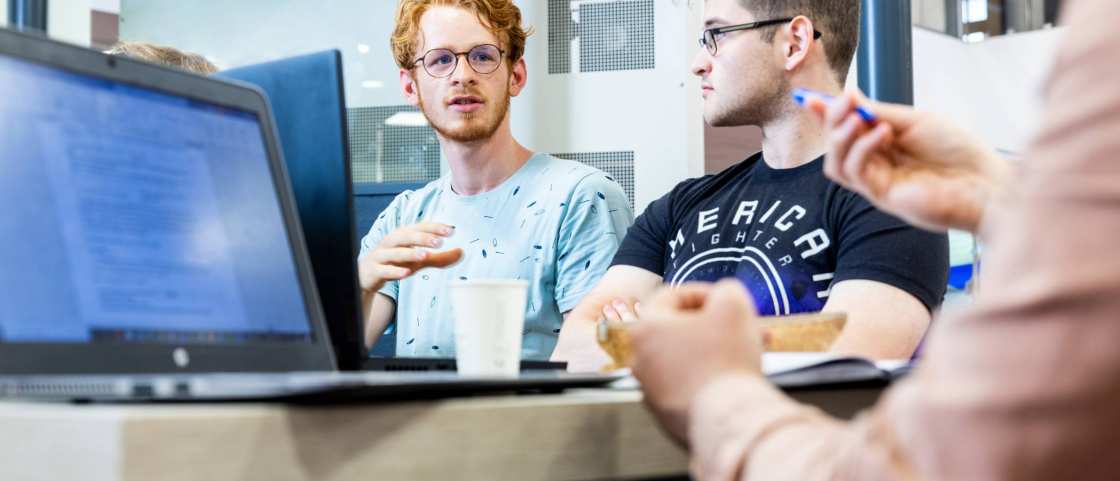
913	164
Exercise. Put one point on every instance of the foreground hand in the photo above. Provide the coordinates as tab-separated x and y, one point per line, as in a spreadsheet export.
404	252
621	310
688	337
912	164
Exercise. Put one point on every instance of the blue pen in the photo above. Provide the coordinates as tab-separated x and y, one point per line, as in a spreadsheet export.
800	95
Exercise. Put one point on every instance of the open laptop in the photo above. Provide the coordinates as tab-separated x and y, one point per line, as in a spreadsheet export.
151	248
308	102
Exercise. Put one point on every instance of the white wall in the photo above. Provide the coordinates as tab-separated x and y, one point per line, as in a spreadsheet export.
69	21
244	32
3	14
992	87
109	6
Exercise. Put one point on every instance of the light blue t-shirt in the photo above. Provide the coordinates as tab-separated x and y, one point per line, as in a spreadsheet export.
556	223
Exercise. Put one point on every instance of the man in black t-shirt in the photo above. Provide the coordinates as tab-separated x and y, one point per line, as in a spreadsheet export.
797	241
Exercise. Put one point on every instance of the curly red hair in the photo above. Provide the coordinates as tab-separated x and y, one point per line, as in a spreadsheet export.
500	16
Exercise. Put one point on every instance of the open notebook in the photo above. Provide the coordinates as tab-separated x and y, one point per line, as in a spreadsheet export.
791	370
800	370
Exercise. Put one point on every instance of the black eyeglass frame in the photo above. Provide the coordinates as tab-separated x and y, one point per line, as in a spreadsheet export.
456	55
709	35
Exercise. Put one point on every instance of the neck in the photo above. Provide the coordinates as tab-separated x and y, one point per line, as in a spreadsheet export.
483	165
795	138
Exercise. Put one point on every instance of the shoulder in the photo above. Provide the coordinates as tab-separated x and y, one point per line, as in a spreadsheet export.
567	171
690	192
580	179
413	197
411	201
843	203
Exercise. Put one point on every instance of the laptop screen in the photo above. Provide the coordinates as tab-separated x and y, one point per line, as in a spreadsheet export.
133	216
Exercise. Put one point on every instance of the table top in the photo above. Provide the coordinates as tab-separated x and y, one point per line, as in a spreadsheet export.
578	434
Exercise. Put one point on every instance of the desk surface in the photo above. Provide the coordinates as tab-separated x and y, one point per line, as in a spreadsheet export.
581	434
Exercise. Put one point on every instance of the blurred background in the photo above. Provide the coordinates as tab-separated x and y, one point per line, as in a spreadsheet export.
609	81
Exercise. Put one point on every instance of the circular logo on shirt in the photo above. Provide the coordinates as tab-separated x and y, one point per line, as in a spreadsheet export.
750	265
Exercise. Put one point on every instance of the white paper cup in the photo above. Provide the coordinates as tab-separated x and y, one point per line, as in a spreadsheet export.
489	317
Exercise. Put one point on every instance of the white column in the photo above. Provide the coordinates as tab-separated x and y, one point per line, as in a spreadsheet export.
69	21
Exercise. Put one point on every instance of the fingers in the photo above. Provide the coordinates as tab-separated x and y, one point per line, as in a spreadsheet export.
900	117
852	147
833	111
729	300
398	255
767	338
839	109
694	295
610	313
442	259
873	182
372	273
434	228
416	259
730	295
840	140
437	260
827	109
847	138
391	273
674	303
395	263
619	311
818	106
411	238
427	234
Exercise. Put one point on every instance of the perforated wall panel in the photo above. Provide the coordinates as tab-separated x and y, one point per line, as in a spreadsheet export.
616	36
612	35
388	153
561	31
619	165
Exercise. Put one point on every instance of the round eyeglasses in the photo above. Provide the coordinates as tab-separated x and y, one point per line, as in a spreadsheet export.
441	62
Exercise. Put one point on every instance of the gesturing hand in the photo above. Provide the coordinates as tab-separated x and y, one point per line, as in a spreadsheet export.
404	252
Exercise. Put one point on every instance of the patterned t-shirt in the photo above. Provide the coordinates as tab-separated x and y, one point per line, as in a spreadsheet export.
555	223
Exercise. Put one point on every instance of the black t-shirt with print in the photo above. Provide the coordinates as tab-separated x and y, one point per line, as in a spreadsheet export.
787	234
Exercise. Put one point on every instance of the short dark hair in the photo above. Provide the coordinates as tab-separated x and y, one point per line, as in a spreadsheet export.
837	20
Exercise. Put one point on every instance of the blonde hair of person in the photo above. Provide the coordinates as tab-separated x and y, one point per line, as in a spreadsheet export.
166	56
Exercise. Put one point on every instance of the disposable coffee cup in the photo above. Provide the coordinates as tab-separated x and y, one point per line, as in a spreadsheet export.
489	318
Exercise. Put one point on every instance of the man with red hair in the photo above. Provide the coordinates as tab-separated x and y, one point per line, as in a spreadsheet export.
502	211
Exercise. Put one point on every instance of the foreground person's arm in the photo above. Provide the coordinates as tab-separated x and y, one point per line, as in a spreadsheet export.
1024	386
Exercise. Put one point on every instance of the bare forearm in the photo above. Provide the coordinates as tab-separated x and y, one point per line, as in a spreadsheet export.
879	338
576	343
884	322
378	311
